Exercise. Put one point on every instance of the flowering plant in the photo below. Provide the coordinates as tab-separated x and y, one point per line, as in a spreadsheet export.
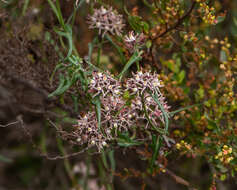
115	114
152	80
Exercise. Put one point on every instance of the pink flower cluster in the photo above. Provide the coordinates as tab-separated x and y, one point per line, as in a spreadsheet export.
104	83
143	81
116	113
106	20
87	131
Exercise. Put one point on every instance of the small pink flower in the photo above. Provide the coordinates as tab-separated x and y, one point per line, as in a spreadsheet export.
142	81
103	83
133	42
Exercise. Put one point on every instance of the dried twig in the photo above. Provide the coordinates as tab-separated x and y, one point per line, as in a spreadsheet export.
65	156
179	22
27	132
9	124
179	179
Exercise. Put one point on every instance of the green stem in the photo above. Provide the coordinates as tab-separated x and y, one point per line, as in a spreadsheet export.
137	64
99	50
26	3
148	118
164	113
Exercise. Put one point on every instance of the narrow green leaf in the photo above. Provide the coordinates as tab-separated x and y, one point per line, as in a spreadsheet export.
84	80
91	47
57	11
104	159
73	14
67	85
61	21
146	26
165	114
220	19
97	103
121	55
64	84
99	52
68	35
75	102
135	57
148	4
112	159
5	159
157	142
123	143
182	109
211	123
61	83
136	23
148	118
54	8
181	76
25	6
54	71
124	140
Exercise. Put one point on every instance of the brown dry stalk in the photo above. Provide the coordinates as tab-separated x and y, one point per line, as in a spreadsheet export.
27	132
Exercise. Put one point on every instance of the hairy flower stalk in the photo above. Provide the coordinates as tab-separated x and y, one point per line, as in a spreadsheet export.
106	21
116	114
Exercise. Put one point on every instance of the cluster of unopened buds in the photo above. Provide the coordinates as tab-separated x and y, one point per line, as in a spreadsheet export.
117	115
208	13
183	146
225	155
